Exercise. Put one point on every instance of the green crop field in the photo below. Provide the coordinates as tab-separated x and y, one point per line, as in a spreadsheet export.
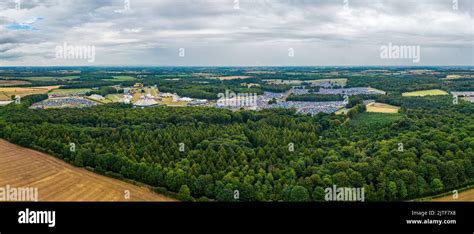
121	78
113	97
375	118
42	78
422	93
56	91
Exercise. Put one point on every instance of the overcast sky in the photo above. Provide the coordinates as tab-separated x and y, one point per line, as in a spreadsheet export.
236	32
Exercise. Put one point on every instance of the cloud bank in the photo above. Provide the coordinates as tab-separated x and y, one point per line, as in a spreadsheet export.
236	32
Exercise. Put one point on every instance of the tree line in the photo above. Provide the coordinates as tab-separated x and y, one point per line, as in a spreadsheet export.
271	155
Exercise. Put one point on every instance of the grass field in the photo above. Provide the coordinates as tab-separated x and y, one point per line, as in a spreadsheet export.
113	98
169	102
103	101
13	82
382	108
121	78
147	90
44	78
422	93
59	181
52	78
7	92
375	118
70	91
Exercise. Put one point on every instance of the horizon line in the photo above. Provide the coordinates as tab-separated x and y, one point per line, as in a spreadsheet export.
243	66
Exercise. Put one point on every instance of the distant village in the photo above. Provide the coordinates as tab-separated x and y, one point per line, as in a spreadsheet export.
138	96
141	96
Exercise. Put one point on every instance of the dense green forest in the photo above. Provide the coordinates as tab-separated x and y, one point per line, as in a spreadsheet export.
269	155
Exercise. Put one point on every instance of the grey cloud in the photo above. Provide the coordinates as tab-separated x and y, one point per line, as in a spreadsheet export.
153	30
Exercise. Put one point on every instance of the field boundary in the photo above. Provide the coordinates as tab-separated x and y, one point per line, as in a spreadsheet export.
108	188
156	189
429	198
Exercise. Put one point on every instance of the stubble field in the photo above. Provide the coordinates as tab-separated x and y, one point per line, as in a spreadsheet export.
7	93
59	181
382	108
467	195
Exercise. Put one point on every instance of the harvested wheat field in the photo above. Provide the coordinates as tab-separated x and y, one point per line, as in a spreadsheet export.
382	108
59	181
467	195
6	93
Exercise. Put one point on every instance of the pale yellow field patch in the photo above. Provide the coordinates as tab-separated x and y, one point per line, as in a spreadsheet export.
382	108
422	93
467	195
59	181
232	77
7	92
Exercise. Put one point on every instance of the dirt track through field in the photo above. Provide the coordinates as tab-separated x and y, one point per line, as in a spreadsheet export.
59	181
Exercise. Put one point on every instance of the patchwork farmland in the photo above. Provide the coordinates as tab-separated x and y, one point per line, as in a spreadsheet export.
13	82
59	181
7	93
